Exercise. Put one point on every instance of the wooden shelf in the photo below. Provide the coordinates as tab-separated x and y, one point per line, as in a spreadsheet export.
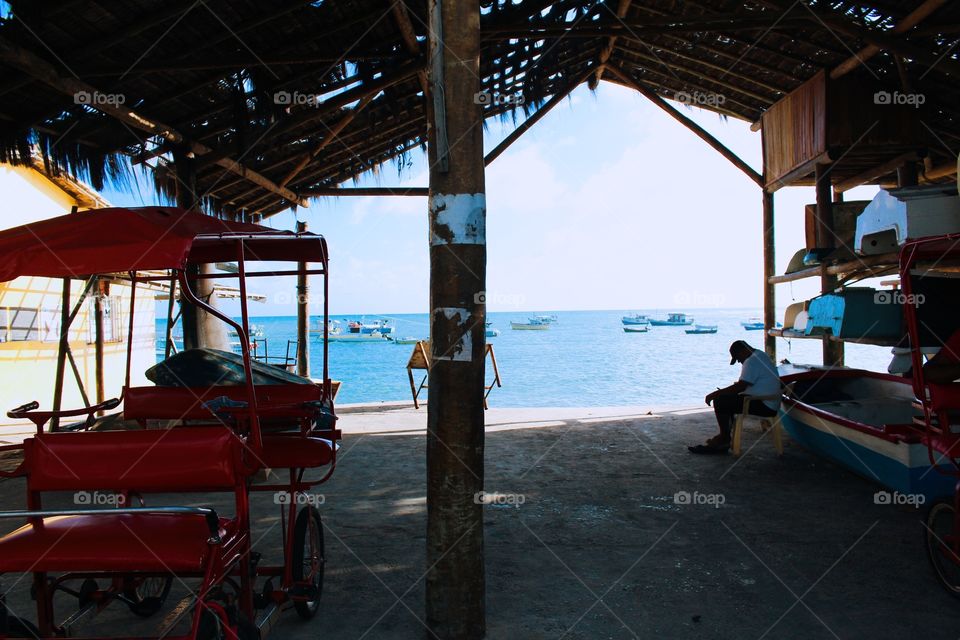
791	334
864	267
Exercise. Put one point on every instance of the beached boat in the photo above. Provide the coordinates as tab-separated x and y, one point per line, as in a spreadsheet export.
532	325
703	328
673	320
635	319
863	421
636	328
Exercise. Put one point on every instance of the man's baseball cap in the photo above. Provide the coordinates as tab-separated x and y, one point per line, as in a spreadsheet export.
738	344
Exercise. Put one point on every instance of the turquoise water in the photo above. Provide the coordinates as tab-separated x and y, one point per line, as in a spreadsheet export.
585	359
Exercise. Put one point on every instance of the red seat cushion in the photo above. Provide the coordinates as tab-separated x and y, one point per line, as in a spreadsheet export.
295	451
119	542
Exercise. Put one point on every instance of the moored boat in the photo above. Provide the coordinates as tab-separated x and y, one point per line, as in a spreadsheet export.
545	319
635	319
703	328
755	324
673	320
405	340
335	333
863	421
636	328
532	325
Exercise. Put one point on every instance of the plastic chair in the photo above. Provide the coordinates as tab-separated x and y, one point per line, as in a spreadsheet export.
773	422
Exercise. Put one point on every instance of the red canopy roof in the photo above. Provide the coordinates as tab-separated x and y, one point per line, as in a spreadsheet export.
120	240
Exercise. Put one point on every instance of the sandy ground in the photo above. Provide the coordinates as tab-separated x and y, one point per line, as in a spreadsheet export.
600	548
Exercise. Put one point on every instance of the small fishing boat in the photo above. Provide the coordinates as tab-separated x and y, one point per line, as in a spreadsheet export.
864	421
544	319
532	325
636	328
755	324
702	328
335	333
406	340
256	331
673	320
635	319
382	326
491	332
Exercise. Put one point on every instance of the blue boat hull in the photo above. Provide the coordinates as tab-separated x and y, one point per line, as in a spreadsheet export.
899	466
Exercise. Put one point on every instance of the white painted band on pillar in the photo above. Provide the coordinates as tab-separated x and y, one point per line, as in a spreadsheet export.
458	218
462	349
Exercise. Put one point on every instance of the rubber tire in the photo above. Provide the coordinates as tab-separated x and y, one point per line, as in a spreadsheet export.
211	627
932	545
307	609
146	607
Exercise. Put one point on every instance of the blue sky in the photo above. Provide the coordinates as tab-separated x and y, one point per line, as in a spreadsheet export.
606	203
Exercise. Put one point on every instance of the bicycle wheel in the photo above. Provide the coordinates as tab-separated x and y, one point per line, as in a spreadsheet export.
943	545
308	562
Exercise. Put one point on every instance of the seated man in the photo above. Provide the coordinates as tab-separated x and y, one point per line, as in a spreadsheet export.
758	377
944	367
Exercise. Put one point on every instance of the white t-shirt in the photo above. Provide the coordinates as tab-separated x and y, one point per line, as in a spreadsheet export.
760	373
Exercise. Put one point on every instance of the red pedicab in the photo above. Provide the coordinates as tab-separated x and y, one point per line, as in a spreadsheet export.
186	439
920	262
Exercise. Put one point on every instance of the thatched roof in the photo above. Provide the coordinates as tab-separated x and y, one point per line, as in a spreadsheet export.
255	90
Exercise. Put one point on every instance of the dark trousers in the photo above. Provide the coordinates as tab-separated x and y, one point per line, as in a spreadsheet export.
729	405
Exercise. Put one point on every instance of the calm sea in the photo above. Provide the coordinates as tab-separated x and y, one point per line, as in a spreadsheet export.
585	359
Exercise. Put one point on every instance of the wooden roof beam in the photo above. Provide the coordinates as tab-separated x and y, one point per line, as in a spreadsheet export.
623	6
688	123
402	19
37	67
336	192
644	26
305	158
877	172
881	39
909	21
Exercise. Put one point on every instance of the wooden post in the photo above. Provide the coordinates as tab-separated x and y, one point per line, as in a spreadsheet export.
303	314
769	270
61	352
832	350
100	290
455	583
907	175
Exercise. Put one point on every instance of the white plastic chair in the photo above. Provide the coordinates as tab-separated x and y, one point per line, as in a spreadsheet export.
773	422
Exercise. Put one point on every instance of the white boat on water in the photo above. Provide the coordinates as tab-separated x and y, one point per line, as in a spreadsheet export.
544	319
532	325
635	319
336	333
